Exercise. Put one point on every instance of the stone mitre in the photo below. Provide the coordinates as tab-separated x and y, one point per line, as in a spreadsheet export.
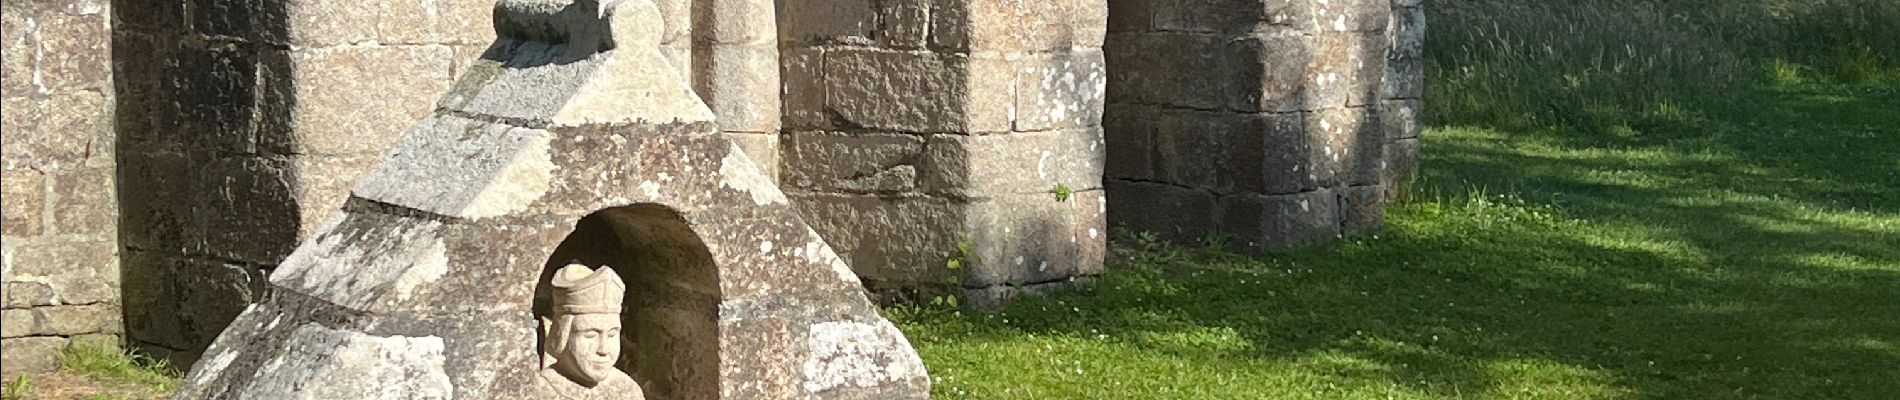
581	290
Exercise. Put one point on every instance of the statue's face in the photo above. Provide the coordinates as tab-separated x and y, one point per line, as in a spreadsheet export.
593	347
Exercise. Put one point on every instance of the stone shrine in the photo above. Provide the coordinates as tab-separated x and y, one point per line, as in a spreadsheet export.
572	141
164	158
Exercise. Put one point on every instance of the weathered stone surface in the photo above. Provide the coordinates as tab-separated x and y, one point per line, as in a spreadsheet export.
1270	70
970	166
24	191
65	320
864	163
29	355
335	86
880	236
1267	154
1129	133
1061	92
1361	210
84	203
74	51
1399	119
1405	63
743	86
1401	168
1192	217
900	91
77	272
435	280
1282	221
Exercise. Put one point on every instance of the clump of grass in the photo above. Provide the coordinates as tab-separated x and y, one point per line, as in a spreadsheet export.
17	388
108	362
1605	66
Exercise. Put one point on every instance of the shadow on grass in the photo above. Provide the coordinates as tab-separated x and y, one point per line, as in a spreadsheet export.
1750	253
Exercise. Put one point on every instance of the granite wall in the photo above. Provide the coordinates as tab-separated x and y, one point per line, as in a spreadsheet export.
947	144
58	229
1271	123
243	125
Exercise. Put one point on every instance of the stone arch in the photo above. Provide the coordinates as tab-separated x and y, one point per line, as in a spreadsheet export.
672	302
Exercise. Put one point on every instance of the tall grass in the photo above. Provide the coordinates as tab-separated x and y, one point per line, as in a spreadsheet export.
1603	65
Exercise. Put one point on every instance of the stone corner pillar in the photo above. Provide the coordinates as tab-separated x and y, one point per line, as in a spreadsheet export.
966	132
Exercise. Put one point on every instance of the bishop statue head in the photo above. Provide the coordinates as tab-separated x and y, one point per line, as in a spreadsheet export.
583	334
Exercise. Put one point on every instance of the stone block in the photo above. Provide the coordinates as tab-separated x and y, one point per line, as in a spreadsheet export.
1016	26
1401	168
863	163
1190	217
246	208
149	16
18	322
763	149
827	21
217	99
84	203
75	52
150	187
146	112
322	184
1025	239
21	49
743	88
1266	154
70	320
1399	119
888	239
213	293
1187	144
990	106
1182	70
22	202
434	21
1131	15
900	91
1347	146
28	294
357	100
742	22
1017	163
1368	63
54	133
77	272
1350	15
1361	210
801	73
1064	91
1089	21
322	23
1270	73
153	299
29	355
237	18
1277	222
1405	60
903	24
1128	131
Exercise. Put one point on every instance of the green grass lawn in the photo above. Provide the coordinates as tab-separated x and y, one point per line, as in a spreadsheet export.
1749	249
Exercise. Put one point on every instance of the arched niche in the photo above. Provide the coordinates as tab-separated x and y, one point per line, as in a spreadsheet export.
670	318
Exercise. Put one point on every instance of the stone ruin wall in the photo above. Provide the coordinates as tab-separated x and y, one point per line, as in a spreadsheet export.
1271	123
59	227
909	133
243	126
918	132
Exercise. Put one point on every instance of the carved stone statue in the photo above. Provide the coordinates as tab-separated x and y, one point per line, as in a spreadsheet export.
581	340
